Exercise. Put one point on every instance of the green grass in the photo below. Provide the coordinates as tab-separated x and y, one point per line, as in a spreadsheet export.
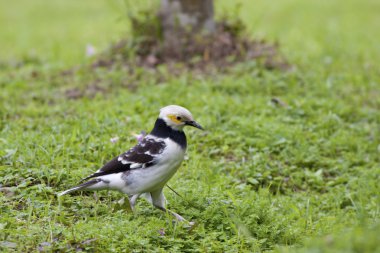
300	178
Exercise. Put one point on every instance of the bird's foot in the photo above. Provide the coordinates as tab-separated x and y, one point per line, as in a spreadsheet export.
186	224
122	204
178	217
190	225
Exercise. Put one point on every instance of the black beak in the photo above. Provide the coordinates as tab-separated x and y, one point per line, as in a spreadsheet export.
194	124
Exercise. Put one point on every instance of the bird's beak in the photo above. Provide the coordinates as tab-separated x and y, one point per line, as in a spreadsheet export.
194	124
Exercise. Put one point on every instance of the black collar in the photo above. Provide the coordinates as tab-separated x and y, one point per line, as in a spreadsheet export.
162	130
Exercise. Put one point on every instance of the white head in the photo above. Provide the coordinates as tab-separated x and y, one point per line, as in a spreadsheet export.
177	117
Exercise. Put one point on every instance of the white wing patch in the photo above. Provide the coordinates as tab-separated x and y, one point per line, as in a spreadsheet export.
144	154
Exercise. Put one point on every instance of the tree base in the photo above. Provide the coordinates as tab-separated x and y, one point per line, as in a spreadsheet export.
226	46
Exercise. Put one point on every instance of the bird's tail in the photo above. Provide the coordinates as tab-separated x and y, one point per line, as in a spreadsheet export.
80	187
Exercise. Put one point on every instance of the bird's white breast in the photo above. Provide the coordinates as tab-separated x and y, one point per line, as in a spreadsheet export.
156	176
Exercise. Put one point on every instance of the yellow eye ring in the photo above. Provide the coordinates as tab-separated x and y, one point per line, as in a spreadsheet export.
176	119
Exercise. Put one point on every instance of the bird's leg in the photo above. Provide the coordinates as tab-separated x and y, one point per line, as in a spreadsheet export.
158	201
132	201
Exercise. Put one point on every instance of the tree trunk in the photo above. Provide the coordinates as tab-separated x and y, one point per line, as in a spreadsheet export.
181	17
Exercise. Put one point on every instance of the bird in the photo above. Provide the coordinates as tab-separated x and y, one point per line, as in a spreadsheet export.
148	166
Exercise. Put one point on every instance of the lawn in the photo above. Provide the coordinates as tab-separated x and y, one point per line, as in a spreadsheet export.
299	175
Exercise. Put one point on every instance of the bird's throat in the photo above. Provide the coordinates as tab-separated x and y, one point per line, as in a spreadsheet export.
162	130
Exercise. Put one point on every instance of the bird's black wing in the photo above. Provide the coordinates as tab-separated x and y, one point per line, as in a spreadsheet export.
143	155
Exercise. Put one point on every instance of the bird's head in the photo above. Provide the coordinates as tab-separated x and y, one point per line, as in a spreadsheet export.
178	117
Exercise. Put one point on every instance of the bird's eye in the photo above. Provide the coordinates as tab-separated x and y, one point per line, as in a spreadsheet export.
179	118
